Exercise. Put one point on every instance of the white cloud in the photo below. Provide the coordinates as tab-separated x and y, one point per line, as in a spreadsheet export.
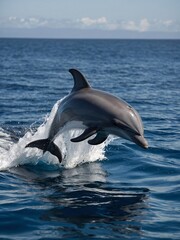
11	19
33	20
129	25
21	22
87	21
168	23
143	25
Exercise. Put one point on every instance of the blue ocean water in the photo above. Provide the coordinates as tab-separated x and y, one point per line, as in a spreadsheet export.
120	191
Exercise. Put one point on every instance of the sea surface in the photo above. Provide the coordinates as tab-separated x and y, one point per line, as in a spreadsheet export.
115	190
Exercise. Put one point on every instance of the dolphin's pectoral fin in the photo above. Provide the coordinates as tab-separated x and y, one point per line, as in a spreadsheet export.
99	138
87	133
46	145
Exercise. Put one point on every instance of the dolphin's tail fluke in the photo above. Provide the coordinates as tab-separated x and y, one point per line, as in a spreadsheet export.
46	145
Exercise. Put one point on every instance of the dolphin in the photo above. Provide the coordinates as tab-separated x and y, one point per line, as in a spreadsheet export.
101	113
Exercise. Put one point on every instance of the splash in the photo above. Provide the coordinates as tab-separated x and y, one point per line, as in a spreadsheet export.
15	154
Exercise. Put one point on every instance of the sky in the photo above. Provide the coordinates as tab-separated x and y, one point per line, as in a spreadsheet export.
90	18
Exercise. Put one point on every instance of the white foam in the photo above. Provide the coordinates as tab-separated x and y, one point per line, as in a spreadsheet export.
15	154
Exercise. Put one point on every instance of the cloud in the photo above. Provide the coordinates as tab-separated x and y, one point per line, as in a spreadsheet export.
143	25
87	21
168	23
35	22
15	22
102	22
129	25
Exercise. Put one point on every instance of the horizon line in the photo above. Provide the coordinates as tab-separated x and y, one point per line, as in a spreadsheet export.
88	38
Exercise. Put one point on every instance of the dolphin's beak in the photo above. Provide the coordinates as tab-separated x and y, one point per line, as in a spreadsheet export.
140	140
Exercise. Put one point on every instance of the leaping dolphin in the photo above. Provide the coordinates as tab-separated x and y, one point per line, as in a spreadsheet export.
100	112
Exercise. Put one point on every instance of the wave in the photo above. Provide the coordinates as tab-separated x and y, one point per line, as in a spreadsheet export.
13	154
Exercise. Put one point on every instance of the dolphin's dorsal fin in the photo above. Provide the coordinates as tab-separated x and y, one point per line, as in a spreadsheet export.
79	80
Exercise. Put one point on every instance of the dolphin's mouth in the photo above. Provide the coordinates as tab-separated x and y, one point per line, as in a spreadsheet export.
140	140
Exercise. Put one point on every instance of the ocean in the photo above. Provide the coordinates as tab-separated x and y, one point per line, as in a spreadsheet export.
115	190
